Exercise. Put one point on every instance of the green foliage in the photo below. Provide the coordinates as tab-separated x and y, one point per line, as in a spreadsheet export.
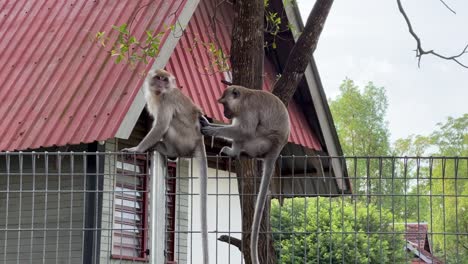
450	205
336	230
423	190
274	22
441	191
219	60
448	186
359	117
451	137
414	145
128	49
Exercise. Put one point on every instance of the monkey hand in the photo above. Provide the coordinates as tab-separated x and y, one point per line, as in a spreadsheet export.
203	121
228	152
209	131
134	149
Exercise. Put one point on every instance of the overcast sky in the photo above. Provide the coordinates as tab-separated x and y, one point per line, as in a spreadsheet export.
367	40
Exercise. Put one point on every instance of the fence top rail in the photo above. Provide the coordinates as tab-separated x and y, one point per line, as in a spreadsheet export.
94	153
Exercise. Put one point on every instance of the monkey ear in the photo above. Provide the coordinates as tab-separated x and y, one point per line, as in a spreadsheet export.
235	93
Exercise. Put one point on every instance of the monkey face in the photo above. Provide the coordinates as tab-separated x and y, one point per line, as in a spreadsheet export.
160	81
230	101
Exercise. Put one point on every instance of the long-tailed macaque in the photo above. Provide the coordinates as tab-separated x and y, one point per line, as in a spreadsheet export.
260	129
176	132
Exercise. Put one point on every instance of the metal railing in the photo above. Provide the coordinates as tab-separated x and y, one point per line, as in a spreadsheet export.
81	207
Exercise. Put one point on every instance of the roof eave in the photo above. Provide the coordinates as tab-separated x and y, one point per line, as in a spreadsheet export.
319	100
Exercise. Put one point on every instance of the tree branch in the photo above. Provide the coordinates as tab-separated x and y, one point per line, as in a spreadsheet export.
420	51
231	240
448	7
301	53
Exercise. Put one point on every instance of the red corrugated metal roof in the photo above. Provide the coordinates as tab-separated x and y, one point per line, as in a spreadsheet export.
56	86
204	88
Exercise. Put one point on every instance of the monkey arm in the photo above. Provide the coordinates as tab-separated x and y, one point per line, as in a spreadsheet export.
217	125
230	132
156	133
204	122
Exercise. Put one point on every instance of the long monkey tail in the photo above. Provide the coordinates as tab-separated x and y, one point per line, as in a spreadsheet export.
203	164
268	166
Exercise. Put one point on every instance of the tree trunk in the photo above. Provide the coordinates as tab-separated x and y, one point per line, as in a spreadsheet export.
247	54
301	53
247	70
247	44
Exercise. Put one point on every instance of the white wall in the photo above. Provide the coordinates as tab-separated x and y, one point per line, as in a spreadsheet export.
224	215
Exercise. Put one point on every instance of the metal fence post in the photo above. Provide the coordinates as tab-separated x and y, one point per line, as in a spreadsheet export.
158	208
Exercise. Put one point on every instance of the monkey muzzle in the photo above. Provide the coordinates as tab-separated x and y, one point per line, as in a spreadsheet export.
228	113
157	90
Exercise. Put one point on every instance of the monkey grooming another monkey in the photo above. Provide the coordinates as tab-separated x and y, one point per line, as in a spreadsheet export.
176	132
260	129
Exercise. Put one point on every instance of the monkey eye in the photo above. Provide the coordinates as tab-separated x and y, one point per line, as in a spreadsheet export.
235	93
161	78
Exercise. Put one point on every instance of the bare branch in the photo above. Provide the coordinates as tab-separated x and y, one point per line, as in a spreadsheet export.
231	240
448	7
420	51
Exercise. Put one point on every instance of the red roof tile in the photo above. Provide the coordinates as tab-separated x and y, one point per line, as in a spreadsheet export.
416	235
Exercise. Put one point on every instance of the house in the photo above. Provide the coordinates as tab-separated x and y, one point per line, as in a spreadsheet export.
418	244
69	196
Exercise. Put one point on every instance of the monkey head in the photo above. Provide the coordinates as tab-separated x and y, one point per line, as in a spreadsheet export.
160	81
231	99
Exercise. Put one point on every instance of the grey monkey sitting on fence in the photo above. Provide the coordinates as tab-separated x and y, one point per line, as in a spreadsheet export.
260	129
176	132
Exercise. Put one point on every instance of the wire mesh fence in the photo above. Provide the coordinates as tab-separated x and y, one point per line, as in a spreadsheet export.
79	207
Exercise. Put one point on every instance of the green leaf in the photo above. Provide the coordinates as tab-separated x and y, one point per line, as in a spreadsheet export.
149	33
123	28
119	59
132	40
